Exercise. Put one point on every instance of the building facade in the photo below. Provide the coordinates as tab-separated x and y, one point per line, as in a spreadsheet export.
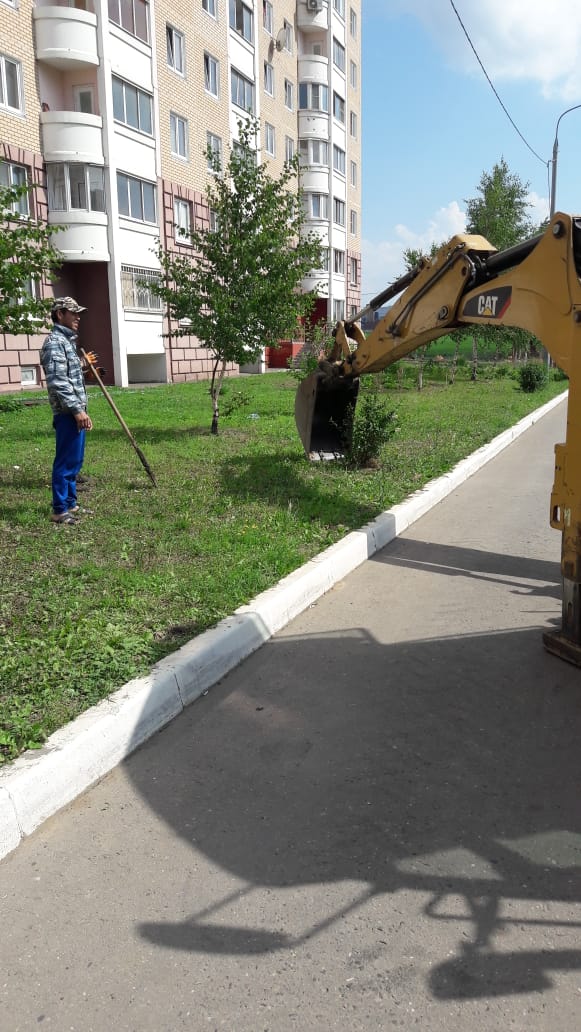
107	109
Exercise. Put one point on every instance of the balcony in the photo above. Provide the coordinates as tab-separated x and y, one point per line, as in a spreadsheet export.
83	236
66	38
72	136
313	18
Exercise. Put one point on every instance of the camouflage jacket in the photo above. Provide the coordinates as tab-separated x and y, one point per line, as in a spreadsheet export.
64	374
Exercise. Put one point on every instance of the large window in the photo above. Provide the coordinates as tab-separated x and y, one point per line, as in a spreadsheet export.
267	19
353	222
289	148
338	159
353	74
353	23
289	95
338	262
178	132
11	98
75	187
175	49
353	272
242	91
269	139
211	74
268	79
339	108
209	6
353	124
339	6
314	152
353	176
338	212
131	15
136	289
241	19
316	205
182	215
15	175
338	55
136	198
132	106
214	146
313	96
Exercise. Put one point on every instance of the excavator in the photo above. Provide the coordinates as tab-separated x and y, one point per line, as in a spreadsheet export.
535	285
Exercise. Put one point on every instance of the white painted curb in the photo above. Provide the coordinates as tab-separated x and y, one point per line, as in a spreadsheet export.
40	783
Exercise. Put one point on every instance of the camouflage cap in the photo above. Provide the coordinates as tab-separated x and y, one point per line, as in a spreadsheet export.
68	304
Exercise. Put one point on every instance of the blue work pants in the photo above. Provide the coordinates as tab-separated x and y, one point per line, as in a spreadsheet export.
68	460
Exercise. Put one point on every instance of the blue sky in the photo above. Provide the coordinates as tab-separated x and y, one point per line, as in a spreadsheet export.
432	124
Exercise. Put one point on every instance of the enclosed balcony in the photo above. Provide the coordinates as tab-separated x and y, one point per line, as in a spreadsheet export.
66	38
72	136
313	15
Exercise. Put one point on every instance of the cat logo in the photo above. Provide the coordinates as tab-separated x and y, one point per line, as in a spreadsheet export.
489	306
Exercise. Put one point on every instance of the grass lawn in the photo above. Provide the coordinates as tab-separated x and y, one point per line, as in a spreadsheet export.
84	609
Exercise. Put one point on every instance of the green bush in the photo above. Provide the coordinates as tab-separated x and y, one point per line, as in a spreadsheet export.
502	370
558	374
532	376
366	429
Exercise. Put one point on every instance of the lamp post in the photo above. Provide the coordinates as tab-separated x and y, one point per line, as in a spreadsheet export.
555	151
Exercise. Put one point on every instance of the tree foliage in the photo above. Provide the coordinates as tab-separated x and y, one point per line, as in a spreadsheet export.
239	290
500	212
27	256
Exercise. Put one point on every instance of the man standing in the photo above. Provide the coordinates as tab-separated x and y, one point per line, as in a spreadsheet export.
68	400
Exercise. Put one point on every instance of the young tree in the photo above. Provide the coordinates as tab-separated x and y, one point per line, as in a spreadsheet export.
26	257
240	289
501	214
413	257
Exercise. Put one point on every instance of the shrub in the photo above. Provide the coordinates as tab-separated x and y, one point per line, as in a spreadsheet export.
366	429
558	374
10	405
532	376
502	370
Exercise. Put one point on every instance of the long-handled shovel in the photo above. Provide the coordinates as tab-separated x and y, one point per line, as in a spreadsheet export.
140	454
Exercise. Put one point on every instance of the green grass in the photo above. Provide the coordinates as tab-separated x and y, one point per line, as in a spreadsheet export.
83	609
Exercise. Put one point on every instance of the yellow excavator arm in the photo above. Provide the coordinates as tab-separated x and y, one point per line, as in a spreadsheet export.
535	286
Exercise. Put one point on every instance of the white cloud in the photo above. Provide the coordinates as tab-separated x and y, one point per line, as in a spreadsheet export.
383	261
537	41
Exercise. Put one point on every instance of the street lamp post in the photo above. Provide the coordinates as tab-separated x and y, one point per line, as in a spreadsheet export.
554	162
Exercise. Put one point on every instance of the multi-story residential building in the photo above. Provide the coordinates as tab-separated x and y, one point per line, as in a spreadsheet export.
107	110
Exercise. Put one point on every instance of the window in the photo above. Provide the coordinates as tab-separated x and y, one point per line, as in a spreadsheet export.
339	6
131	15
267	19
338	262
269	139
338	311
317	206
325	259
209	6
75	187
214	223
242	91
241	19
214	147
353	222
175	49
353	74
338	55
211	74
338	108
28	375
83	99
11	98
132	107
353	124
338	159
136	198
353	23
182	216
178	132
289	95
338	212
353	271
313	97
268	79
289	148
136	290
15	175
288	36
353	173
314	152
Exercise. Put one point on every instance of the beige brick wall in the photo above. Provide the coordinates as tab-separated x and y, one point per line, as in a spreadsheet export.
16	35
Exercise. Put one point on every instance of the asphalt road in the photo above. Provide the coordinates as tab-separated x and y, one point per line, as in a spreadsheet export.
373	823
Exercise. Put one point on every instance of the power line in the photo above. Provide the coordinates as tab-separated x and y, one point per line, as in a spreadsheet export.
514	125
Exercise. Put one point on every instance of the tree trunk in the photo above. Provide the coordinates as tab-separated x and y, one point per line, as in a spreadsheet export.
474	376
215	388
455	359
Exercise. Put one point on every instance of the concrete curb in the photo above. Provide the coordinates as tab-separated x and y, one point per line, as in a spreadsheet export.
38	784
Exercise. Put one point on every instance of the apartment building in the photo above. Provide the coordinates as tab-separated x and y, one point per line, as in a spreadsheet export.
107	110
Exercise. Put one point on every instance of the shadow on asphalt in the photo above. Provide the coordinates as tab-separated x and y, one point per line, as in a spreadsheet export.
448	767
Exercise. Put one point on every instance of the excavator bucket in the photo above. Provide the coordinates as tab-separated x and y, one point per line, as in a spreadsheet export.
321	408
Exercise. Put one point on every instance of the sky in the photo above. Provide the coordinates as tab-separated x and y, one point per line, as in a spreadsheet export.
431	123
